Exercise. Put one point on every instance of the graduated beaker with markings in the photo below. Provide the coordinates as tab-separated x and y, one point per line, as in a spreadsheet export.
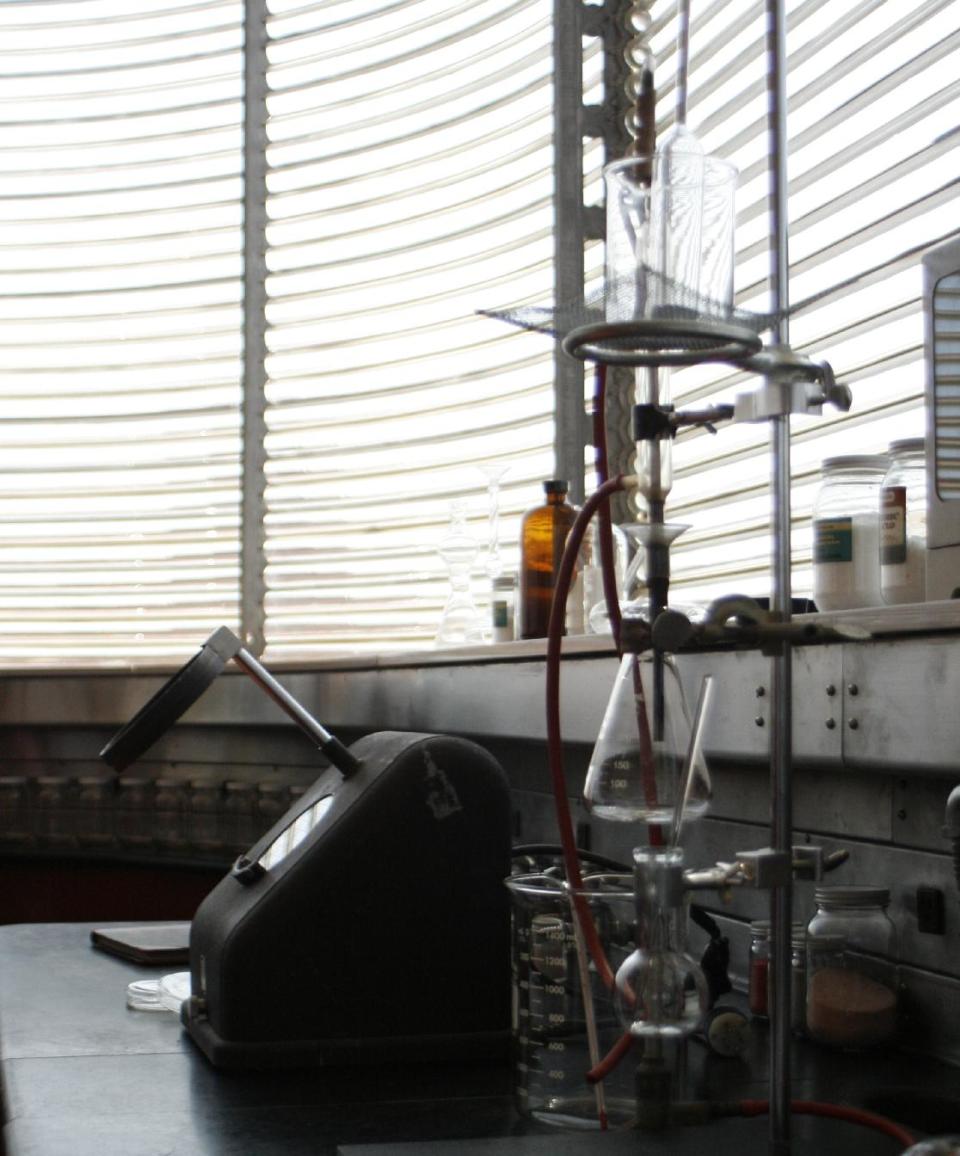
552	1052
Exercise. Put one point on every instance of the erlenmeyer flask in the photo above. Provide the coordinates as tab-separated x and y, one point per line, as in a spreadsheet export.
636	772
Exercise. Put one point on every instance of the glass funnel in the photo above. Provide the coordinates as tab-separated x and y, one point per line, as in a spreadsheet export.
640	539
493	471
654	540
647	764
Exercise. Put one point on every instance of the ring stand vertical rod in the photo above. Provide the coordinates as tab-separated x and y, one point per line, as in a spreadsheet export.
334	750
781	738
683	58
658	551
658	571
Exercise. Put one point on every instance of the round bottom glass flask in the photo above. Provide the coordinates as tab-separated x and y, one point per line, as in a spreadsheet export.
661	991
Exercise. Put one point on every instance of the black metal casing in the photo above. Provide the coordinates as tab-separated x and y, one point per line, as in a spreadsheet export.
383	935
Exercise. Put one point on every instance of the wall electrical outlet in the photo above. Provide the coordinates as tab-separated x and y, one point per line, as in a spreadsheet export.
931	911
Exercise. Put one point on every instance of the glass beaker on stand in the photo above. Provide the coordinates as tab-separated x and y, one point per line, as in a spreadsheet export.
670	236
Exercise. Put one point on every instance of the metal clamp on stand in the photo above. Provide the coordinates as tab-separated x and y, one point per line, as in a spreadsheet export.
793	383
737	621
659	421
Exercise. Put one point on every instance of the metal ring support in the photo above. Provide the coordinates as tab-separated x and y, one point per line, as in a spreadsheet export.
662	342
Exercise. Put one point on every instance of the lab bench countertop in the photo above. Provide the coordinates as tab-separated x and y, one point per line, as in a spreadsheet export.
85	1076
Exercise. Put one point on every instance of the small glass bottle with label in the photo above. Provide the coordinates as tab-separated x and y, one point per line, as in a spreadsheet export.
846	533
759	972
903	524
502	603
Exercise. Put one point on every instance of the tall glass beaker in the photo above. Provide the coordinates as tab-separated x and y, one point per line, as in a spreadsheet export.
550	1012
670	235
627	192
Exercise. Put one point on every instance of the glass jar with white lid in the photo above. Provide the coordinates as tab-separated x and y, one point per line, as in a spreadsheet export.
846	532
903	524
852	992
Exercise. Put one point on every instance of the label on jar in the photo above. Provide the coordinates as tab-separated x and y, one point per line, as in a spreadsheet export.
833	540
893	525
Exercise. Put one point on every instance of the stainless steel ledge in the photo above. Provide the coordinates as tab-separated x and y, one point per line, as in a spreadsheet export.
887	704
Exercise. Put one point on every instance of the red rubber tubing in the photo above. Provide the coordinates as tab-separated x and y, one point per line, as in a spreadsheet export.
619	1050
554	749
602	466
836	1112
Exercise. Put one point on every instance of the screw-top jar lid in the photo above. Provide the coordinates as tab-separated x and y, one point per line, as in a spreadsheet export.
852	895
908	446
762	928
556	486
878	462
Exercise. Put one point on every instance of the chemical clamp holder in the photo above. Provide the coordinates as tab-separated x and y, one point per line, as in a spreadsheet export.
370	923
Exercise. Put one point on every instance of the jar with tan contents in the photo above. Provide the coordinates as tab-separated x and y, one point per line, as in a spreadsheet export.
852	981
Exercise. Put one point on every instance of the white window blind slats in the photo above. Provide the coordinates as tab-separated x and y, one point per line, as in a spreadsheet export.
873	104
531	251
291	22
97	16
342	419
409	179
430	254
402	152
422	194
505	369
497	52
120	321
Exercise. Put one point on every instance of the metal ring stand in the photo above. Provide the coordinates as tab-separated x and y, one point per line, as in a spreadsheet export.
667	342
690	342
687	342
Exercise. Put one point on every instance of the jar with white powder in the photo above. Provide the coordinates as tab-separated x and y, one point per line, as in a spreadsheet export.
846	532
903	524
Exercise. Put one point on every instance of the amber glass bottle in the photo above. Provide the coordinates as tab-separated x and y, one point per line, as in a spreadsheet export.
543	534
